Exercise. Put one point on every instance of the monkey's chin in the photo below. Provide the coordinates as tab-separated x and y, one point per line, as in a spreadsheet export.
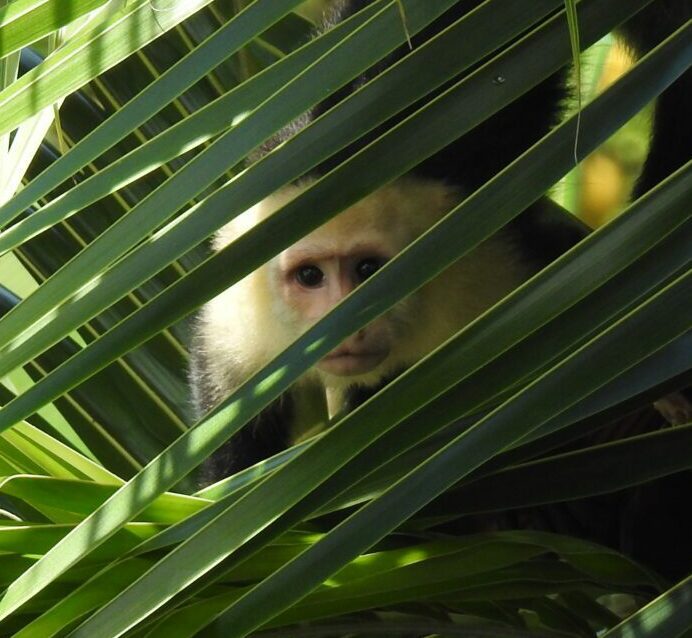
349	364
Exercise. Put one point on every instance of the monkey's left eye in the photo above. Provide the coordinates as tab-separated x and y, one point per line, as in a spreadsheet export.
368	267
309	276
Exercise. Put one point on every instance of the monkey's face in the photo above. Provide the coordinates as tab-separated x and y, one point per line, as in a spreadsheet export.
262	314
318	272
314	275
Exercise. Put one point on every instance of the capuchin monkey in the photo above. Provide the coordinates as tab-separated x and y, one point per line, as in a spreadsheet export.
246	326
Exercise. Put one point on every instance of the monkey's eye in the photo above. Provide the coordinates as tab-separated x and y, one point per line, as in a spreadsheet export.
368	267
309	276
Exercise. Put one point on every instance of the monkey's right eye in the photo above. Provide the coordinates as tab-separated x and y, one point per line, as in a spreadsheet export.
309	276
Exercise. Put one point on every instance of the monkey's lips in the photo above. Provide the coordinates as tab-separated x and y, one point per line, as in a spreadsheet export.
346	362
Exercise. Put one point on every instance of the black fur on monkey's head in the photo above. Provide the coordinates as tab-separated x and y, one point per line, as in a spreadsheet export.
469	160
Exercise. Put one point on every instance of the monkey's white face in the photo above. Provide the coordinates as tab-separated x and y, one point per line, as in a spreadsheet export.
250	323
314	276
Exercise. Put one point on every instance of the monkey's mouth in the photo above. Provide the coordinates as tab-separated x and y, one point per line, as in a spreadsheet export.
344	362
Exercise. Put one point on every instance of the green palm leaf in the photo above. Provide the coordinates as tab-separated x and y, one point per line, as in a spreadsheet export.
111	223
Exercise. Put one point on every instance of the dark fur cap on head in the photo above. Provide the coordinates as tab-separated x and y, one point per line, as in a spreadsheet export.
471	159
